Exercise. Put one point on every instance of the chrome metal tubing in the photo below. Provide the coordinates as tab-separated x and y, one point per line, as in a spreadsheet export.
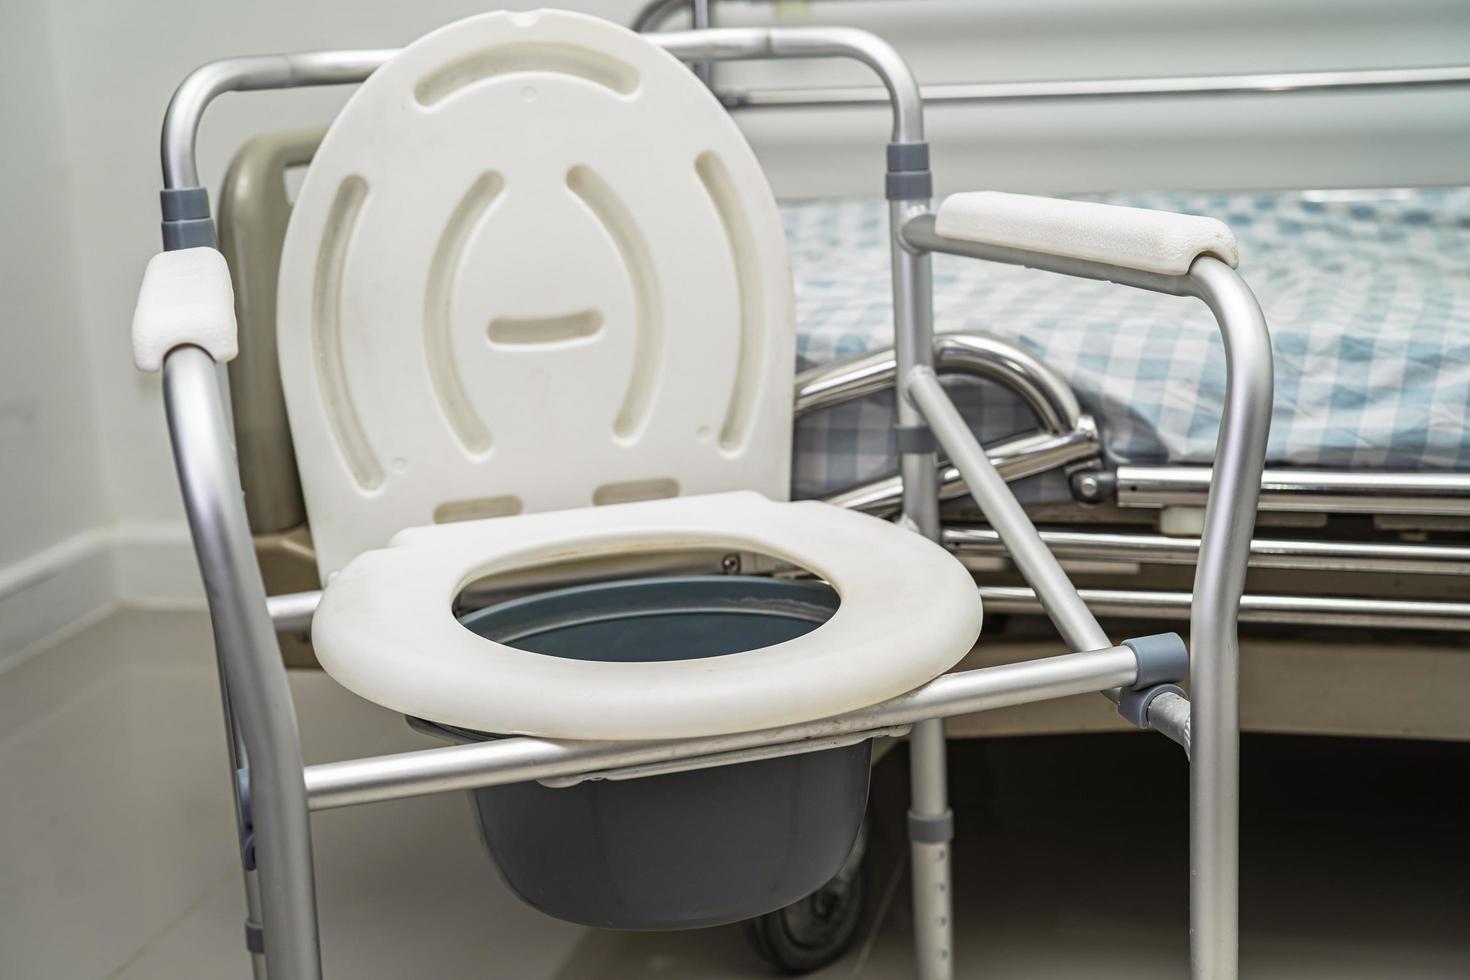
520	759
913	324
736	757
1070	435
980	93
1219	575
1169	713
738	43
1078	627
971	355
911	281
1015	459
292	612
702	19
258	696
239	762
1313	491
931	860
277	71
1295	610
1219	583
1336	556
654	13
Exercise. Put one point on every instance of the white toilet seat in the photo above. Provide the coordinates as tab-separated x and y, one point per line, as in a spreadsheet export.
385	628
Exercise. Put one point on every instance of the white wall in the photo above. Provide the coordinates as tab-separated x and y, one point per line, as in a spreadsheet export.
81	435
53	564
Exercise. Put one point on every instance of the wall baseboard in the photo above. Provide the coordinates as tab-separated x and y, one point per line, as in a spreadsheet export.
48	594
154	565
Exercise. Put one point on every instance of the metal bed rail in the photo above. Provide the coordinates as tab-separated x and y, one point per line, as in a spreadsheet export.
1290	610
1158	549
993	93
1313	491
658	12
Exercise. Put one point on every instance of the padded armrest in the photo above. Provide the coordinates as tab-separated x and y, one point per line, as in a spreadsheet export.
186	298
1132	238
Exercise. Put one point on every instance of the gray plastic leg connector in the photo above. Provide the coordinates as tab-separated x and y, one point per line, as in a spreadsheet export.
914	439
186	220
254	937
1162	659
908	176
931	830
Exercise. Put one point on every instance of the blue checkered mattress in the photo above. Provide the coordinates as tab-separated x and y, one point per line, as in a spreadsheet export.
1367	295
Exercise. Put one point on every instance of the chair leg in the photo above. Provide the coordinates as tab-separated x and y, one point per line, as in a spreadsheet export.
931	828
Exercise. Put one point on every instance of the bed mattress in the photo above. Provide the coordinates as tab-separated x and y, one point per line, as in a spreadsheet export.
1367	295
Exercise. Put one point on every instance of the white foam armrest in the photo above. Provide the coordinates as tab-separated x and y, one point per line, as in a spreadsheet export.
186	298
1132	238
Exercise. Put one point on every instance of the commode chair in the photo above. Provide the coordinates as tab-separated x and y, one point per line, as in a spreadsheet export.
534	311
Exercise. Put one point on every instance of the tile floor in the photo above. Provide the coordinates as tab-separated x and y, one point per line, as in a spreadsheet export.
117	851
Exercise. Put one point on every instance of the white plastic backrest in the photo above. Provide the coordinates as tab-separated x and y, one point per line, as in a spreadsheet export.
1132	238
186	298
533	266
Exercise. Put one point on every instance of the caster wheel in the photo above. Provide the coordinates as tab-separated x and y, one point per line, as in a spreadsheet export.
809	934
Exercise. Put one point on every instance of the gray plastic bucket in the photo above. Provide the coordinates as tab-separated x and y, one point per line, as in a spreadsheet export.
683	850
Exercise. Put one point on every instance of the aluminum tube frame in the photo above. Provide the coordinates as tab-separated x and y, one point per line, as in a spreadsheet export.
1156	549
521	759
1015	459
239	762
701	18
1294	610
264	72
913	346
249	74
259	698
911	281
293	611
754	43
1313	491
758	753
1219	576
654	13
973	355
1079	628
1070	436
993	93
931	859
209	473
1219	583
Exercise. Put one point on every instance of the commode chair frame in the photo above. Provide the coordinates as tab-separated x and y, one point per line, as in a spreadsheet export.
276	793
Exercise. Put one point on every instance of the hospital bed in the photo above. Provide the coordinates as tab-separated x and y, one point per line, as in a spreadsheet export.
393	451
1365	511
